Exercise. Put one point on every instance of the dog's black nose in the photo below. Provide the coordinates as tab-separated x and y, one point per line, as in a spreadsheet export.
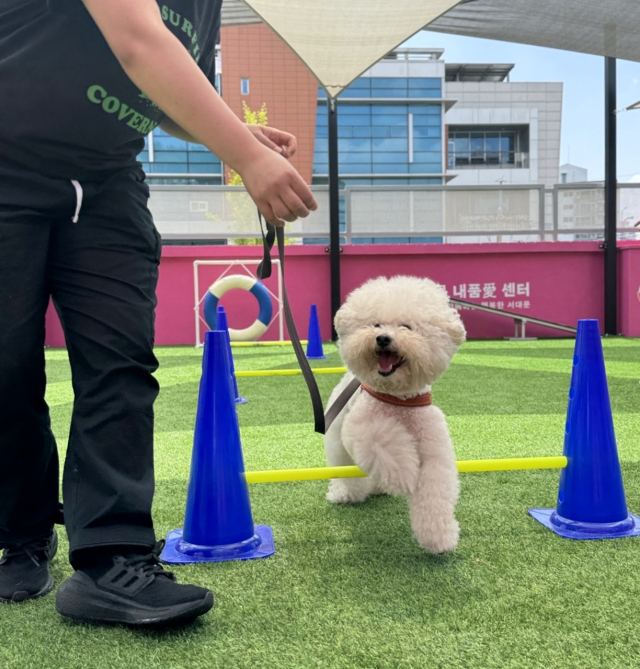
383	341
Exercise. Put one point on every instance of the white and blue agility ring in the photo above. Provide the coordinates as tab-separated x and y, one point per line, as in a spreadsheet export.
245	282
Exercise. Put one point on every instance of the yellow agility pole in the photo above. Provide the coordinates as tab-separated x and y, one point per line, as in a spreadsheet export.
292	372
318	473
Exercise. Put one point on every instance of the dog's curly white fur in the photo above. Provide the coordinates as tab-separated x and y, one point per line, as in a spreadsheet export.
397	336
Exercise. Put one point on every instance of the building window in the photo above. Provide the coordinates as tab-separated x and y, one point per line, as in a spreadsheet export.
488	147
244	86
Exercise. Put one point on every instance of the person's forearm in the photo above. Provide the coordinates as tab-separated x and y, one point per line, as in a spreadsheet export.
156	61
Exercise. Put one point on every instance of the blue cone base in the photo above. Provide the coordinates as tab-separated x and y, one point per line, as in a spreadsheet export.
316	357
178	551
576	529
242	400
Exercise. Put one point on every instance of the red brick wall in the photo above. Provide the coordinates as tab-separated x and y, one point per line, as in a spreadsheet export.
278	78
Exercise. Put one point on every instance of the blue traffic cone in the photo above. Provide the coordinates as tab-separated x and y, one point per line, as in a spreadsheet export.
314	341
591	499
218	524
223	324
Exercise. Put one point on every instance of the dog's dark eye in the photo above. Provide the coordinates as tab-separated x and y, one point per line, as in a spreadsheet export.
377	325
404	325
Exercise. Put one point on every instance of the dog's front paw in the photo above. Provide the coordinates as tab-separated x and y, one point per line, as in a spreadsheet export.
443	540
341	492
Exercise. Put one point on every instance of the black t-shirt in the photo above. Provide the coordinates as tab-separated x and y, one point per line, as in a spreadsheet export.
67	108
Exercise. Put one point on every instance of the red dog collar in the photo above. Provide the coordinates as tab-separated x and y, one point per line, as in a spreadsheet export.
423	400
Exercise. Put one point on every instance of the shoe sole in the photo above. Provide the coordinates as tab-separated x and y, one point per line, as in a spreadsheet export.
22	595
86	604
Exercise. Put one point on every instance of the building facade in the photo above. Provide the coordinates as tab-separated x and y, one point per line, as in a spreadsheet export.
412	119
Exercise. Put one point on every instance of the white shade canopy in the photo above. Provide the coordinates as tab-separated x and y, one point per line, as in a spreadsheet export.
340	39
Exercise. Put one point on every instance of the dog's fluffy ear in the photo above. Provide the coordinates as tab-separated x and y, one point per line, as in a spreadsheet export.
454	327
344	315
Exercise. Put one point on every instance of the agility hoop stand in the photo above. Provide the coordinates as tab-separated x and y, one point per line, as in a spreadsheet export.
234	264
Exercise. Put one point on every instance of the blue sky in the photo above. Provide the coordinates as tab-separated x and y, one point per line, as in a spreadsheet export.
583	94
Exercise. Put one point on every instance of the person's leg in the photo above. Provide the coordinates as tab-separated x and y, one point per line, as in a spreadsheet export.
104	271
28	454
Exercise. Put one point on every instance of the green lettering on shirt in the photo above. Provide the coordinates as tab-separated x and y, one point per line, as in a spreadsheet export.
92	94
134	121
111	104
125	111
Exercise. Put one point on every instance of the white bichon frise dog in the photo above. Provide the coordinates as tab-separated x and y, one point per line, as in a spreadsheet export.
397	336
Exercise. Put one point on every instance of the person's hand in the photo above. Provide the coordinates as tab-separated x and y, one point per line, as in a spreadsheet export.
279	141
279	192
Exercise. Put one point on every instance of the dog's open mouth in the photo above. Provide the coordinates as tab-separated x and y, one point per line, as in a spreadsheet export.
388	362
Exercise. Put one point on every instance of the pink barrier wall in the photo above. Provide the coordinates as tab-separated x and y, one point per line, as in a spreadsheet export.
559	281
629	288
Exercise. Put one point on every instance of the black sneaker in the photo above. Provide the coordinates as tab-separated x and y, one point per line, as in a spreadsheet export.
131	590
24	570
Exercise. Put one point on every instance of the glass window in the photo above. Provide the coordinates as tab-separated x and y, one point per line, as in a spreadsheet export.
389	83
362	131
422	144
425	168
427	131
349	110
361	168
244	86
322	131
170	156
398	131
168	167
391	168
426	93
383	131
485	147
427	157
204	158
388	93
434	83
205	169
361	83
355	119
345	131
390	157
386	144
355	93
355	158
356	145
380	110
426	120
167	143
389	119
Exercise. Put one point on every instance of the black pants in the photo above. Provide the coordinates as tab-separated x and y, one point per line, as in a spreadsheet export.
102	273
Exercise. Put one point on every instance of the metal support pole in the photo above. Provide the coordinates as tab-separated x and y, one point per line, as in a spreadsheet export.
610	201
334	210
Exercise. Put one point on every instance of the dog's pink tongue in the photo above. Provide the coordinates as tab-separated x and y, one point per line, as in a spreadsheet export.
386	361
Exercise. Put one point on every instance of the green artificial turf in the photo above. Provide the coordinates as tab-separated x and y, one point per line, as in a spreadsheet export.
348	586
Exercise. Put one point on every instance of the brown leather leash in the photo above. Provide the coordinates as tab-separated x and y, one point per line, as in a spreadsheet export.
264	272
322	421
